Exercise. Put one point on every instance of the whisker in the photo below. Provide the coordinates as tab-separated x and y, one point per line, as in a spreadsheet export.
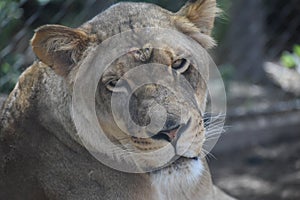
208	154
212	137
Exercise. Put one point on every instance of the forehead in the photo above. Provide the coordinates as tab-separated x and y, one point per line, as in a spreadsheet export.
124	17
128	16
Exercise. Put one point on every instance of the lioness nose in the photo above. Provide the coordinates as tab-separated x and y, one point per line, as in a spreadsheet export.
167	135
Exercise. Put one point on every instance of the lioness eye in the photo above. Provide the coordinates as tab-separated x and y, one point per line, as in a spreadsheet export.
181	65
114	86
111	84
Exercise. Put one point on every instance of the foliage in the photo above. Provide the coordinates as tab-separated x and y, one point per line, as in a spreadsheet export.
9	72
10	15
221	25
9	10
291	60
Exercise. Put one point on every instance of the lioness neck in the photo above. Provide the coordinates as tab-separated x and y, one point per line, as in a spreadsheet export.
180	186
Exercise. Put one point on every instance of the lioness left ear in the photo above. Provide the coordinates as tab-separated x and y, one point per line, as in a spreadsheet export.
59	47
196	19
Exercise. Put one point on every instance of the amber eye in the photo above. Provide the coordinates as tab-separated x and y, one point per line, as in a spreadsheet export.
181	65
111	84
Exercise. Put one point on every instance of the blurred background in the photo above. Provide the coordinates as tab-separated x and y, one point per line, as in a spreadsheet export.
258	54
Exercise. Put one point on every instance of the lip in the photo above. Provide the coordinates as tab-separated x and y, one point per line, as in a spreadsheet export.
176	164
183	158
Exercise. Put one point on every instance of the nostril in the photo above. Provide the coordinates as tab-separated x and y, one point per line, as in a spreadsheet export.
167	135
161	136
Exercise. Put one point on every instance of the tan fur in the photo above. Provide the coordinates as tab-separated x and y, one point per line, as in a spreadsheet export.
197	20
42	155
54	43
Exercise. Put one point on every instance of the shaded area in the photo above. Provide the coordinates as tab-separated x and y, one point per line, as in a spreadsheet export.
258	157
269	171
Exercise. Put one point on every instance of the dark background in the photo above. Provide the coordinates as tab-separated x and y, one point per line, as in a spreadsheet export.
258	157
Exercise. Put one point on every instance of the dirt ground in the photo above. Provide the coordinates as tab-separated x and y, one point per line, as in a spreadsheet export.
264	172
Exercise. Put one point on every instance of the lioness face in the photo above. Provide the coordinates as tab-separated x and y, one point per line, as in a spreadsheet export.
184	130
64	49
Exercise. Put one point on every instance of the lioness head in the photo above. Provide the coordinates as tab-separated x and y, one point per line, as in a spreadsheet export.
68	50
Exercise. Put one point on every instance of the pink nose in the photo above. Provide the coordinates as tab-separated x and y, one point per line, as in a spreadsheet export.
168	135
172	134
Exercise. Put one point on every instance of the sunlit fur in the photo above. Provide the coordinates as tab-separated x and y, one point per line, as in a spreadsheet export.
174	181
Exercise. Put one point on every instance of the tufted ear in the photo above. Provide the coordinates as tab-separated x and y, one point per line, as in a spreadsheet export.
59	47
196	19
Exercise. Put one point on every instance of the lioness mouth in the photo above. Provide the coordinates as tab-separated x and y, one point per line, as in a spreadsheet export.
177	164
183	159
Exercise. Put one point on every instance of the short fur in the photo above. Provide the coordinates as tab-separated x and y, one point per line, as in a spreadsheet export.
41	154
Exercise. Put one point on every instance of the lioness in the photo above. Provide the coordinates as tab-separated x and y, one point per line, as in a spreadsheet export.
42	156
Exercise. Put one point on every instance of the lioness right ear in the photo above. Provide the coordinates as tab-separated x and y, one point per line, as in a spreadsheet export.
59	47
196	19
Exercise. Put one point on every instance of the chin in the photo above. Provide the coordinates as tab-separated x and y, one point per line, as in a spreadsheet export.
184	172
